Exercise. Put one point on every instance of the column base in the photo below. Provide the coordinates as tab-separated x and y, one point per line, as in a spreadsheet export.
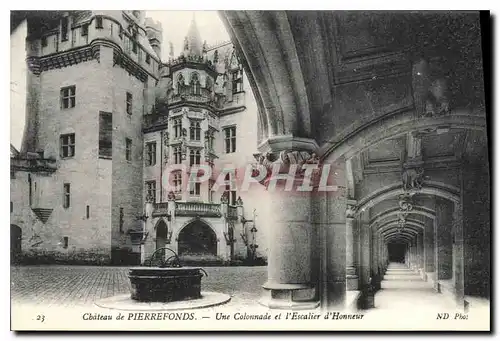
352	282
289	296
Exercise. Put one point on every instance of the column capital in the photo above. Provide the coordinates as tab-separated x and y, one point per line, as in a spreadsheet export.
284	159
276	144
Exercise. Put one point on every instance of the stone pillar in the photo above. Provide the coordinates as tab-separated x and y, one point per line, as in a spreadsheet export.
436	255
148	246
420	250
30	142
458	255
365	268
444	215
428	251
350	250
476	191
374	257
289	284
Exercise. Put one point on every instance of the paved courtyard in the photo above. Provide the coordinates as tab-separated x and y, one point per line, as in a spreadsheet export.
69	286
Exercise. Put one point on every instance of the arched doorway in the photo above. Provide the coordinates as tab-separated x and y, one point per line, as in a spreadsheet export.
161	238
15	243
197	238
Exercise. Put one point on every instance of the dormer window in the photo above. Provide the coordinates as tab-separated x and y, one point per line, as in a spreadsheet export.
98	22
64	28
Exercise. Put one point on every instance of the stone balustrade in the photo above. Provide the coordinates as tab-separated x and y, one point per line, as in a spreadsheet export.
189	209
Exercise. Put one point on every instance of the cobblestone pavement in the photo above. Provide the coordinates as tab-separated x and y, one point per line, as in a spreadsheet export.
69	286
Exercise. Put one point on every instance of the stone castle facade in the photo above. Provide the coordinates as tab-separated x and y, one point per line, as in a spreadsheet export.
112	135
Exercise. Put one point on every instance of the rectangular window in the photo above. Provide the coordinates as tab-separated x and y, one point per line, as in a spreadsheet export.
129	103
139	55
11	207
229	187
177	155
230	139
194	157
151	154
98	22
64	28
194	188
211	184
121	219
210	135
67	142
66	195
194	131
177	182
237	84
44	41
66	242
85	30
87	211
148	59
151	191
128	149
177	127
134	46
105	135
68	97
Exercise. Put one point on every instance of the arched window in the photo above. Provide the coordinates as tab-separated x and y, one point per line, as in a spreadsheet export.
180	83
195	84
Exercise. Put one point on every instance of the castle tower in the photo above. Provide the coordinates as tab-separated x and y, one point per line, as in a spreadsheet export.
154	33
87	75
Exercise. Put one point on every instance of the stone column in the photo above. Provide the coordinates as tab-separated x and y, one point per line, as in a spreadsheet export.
458	253
350	250
420	251
289	284
428	251
30	142
444	215
436	255
374	257
365	265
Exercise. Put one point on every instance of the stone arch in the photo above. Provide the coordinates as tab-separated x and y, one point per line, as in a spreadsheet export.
180	82
16	235
414	228
405	234
194	83
393	125
391	191
161	233
419	210
197	237
283	105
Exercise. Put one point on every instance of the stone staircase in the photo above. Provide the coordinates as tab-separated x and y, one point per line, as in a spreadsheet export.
398	275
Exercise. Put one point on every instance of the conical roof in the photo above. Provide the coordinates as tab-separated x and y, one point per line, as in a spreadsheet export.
193	38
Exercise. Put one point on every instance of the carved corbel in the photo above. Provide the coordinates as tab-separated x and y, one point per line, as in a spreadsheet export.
412	178
350	211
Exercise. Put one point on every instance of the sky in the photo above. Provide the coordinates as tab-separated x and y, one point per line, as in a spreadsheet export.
175	25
